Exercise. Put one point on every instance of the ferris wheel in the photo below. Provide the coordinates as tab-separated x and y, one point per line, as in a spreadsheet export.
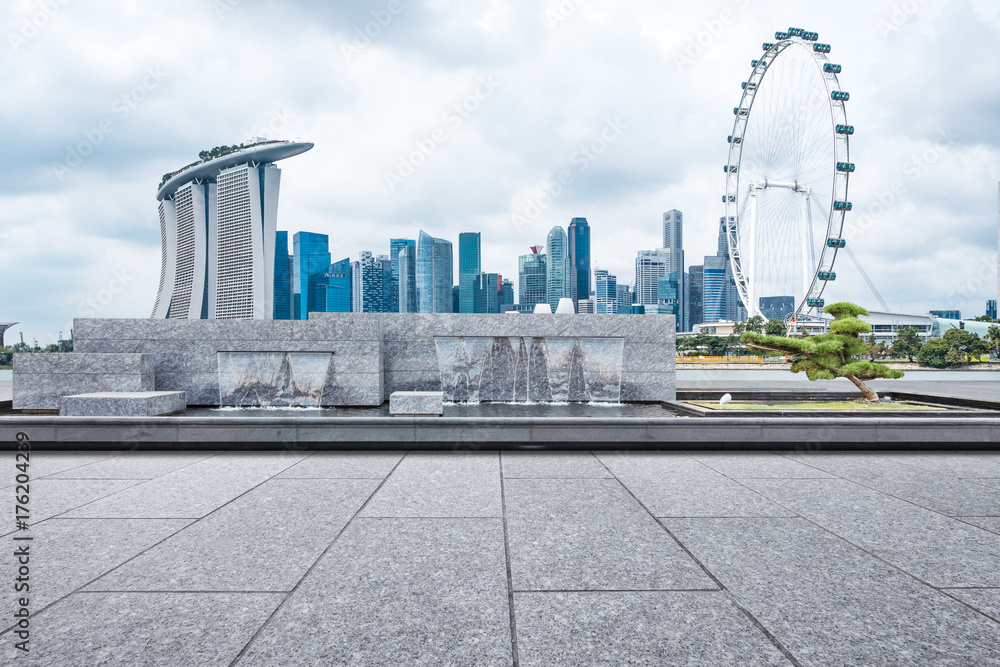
787	177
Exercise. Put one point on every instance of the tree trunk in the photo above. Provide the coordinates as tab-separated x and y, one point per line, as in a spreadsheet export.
869	393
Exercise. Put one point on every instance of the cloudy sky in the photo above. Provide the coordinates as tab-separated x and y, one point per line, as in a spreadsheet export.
458	115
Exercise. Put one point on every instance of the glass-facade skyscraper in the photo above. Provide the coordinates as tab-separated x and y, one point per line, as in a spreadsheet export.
375	293
673	242
434	274
579	259
605	293
469	268
557	270
715	289
282	278
649	266
395	247
531	278
695	296
338	287
311	258
487	292
408	279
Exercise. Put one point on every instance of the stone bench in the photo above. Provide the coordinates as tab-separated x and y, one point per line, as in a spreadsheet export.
416	403
40	379
123	404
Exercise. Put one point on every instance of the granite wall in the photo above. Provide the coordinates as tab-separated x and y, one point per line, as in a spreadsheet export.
185	353
40	380
372	355
411	363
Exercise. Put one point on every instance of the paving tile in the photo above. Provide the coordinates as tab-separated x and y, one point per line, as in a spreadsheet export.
441	485
52	497
956	464
149	629
555	465
262	541
939	550
590	534
194	491
66	554
766	465
398	592
830	603
986	600
43	464
992	483
338	465
990	523
672	484
135	465
641	629
933	490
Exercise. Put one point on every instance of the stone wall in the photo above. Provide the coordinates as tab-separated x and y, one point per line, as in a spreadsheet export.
373	354
186	352
40	380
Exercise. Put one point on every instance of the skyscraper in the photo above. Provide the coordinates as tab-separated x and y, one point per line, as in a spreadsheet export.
282	278
695	294
434	273
673	242
338	287
669	294
531	277
715	289
217	233
395	247
469	268
557	270
624	297
487	291
506	294
579	260
311	258
376	284
649	266
605	293
408	279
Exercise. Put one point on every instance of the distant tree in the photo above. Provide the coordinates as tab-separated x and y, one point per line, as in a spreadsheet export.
934	353
966	344
985	318
756	324
993	336
775	328
832	355
907	343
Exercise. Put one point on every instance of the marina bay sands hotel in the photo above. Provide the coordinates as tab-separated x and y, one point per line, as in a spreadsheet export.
218	219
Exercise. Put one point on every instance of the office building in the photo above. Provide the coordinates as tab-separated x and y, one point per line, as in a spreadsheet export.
695	294
557	270
673	243
456	298
337	290
649	266
624	296
218	232
578	238
715	289
532	277
395	247
506	295
374	293
947	314
487	293
282	277
434	275
668	301
311	258
469	268
407	259
991	308
605	293
776	307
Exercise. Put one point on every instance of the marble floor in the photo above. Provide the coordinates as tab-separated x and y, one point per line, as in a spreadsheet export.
513	558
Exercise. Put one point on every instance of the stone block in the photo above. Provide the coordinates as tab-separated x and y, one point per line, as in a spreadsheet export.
123	404
416	403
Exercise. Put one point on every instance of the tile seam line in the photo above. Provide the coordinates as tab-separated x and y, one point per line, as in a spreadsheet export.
515	653
152	546
113	455
263	626
898	568
718	582
882	491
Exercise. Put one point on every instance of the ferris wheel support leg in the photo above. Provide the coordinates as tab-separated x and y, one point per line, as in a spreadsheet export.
751	276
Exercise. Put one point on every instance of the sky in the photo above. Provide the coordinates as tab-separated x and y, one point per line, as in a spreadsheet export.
452	116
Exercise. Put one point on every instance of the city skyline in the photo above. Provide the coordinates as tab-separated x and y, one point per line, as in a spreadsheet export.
651	88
